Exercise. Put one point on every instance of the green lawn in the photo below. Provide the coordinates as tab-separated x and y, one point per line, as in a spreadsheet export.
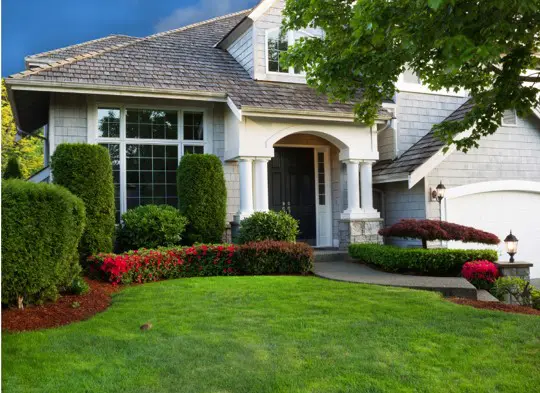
278	334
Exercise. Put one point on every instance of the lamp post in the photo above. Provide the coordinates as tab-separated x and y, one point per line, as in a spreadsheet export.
438	194
511	243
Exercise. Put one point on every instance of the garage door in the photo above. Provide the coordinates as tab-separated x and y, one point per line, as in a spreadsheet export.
499	211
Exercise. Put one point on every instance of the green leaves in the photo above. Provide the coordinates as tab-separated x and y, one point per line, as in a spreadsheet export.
451	44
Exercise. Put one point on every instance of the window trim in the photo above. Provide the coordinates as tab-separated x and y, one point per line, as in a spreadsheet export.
505	124
290	41
122	141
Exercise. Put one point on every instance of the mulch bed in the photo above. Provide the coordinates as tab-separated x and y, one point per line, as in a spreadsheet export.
495	306
62	312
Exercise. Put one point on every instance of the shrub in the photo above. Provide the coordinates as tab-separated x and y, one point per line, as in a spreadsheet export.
151	226
143	265
521	290
438	230
419	260
268	226
41	228
482	274
78	286
86	171
202	197
13	169
275	257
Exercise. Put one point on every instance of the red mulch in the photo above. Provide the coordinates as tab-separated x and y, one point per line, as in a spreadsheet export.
513	308
61	312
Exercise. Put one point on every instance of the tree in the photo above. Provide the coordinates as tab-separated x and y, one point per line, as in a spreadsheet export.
13	169
487	48
29	150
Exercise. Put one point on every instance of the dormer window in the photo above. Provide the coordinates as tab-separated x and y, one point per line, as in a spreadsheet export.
277	42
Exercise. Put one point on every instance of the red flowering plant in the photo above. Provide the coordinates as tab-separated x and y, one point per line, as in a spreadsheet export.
482	274
144	265
438	230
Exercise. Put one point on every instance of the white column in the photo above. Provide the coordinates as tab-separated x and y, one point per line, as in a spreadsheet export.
246	187
353	190
261	184
367	186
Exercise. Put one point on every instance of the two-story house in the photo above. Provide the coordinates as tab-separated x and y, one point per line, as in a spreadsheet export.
217	87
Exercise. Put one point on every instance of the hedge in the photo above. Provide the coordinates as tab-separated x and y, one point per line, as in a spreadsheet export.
41	228
143	265
86	171
202	197
419	260
268	226
150	226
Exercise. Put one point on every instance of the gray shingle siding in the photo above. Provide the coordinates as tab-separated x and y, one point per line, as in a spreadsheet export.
271	19
512	153
386	144
418	112
400	203
69	119
242	50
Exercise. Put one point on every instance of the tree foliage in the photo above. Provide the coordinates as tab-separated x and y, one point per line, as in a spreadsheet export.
13	169
484	47
28	150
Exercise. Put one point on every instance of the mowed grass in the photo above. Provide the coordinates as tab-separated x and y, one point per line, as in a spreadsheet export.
278	334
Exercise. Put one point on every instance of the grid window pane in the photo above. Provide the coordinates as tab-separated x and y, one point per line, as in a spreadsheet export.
277	44
114	153
193	149
108	122
321	178
154	179
151	124
193	126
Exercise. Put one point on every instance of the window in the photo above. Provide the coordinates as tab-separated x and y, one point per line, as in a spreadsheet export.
277	43
321	178
145	146
109	122
151	124
509	118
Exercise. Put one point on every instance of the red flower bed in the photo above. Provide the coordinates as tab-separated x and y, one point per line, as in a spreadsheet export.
267	257
438	230
482	274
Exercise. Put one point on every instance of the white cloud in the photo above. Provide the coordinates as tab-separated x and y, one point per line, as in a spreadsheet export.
204	9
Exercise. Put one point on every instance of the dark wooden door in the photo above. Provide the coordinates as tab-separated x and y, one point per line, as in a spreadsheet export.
291	178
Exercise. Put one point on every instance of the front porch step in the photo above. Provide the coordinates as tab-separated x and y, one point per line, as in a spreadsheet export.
330	255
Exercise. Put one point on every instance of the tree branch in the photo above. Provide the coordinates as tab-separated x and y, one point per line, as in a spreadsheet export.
523	78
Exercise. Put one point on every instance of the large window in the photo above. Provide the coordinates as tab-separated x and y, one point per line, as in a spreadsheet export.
145	145
277	43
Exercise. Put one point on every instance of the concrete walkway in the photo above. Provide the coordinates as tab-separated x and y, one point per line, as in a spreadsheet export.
357	272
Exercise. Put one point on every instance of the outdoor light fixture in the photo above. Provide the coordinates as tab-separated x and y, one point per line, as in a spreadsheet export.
438	195
511	245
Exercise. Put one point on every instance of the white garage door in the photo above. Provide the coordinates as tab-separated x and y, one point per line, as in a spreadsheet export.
499	211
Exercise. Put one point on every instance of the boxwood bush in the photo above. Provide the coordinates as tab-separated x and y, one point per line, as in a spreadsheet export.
151	226
41	228
86	171
268	226
418	260
202	197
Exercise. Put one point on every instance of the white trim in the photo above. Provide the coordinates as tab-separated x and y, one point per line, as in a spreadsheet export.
493	186
260	9
536	112
117	91
234	109
504	124
290	42
407	87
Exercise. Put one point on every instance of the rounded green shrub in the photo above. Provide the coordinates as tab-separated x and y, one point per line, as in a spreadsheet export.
202	197
86	171
151	226
42	225
268	226
13	169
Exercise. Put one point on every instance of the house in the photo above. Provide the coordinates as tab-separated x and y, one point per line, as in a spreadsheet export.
217	87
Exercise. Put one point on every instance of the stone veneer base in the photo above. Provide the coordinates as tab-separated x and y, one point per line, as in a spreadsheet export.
363	230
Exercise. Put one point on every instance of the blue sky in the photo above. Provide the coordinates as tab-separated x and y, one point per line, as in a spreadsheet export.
33	26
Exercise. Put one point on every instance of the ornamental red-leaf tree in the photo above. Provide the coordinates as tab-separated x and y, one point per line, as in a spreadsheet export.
438	230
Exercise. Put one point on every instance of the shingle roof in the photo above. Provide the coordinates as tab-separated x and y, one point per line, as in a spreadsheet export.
418	153
82	48
182	59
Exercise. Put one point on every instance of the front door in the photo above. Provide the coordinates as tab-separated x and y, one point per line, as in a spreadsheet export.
291	178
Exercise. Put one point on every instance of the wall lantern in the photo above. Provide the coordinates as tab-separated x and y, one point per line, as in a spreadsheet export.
438	195
511	243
